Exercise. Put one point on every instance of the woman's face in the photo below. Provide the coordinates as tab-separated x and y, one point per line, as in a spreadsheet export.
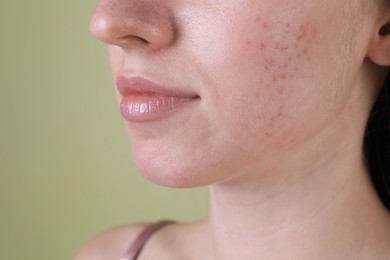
249	80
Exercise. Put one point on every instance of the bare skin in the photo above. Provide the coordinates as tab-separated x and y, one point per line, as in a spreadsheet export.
284	92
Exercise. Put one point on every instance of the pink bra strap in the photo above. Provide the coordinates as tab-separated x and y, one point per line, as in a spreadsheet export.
139	243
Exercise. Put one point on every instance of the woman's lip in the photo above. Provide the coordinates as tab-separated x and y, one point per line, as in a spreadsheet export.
152	107
143	100
139	85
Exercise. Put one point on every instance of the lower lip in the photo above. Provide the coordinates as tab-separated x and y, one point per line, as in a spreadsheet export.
151	107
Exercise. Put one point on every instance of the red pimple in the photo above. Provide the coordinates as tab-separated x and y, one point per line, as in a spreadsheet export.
287	28
265	25
302	31
270	61
281	47
263	46
281	90
314	34
280	114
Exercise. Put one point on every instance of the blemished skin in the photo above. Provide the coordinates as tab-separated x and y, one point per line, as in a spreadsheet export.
280	93
271	76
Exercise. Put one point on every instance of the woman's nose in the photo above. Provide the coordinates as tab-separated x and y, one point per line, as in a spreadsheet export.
129	22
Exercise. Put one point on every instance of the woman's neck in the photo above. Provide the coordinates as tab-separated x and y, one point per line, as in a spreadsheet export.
317	203
324	209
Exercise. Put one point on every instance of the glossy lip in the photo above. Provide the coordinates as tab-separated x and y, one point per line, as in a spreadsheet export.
144	100
140	85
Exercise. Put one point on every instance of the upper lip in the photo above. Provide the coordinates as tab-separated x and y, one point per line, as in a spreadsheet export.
130	85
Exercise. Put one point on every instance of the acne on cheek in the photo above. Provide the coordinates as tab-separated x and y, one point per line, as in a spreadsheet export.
282	50
281	45
280	53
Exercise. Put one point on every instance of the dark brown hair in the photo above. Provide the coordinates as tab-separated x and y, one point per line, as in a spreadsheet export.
377	144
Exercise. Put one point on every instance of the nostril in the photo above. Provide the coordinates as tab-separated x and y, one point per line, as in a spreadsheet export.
385	30
130	38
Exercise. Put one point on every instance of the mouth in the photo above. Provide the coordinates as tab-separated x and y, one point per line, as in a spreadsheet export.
144	100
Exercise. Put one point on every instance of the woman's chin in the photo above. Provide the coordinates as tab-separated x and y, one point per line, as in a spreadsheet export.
165	172
171	179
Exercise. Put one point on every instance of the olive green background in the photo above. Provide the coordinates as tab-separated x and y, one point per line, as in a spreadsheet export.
65	165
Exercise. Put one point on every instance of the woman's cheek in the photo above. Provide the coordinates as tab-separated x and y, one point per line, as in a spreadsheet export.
263	72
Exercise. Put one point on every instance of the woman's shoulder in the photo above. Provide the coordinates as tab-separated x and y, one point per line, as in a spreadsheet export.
112	243
174	241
